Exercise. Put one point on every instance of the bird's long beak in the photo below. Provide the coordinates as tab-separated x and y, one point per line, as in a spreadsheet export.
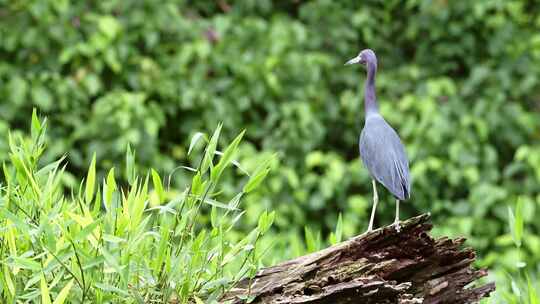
353	61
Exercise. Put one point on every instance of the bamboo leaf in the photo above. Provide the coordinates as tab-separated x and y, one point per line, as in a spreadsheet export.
26	263
210	150
235	201
313	243
518	229
255	181
265	221
9	281
217	204
516	222
226	158
45	296
111	288
62	296
336	237
109	189
35	120
194	140
533	298
158	186
259	174
90	181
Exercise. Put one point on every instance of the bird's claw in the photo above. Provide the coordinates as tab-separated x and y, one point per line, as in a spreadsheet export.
397	226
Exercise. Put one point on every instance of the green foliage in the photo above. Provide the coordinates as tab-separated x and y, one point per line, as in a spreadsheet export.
516	223
117	242
459	80
519	286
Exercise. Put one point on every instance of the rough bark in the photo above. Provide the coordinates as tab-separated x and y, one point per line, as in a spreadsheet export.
383	266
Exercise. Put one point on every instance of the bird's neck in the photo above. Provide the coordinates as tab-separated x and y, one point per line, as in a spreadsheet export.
370	100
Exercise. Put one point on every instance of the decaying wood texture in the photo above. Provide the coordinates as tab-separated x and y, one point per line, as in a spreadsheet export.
383	266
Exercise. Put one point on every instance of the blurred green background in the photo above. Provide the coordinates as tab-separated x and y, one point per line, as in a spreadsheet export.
458	80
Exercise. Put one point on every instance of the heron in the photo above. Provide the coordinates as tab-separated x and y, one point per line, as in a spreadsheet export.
381	149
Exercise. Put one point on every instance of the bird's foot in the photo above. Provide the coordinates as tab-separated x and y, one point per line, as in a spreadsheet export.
397	226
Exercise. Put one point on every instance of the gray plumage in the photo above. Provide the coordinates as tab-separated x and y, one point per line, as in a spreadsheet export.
381	149
384	156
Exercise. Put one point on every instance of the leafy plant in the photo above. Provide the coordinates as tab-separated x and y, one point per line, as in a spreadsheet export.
520	286
109	241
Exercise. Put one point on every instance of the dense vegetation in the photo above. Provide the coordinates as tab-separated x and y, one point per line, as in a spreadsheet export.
458	80
114	242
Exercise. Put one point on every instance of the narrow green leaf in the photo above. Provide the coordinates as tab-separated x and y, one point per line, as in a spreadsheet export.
24	172
90	181
63	294
110	188
113	239
52	167
26	263
158	186
163	244
45	296
516	223
255	181
111	288
96	211
87	230
313	242
194	140
515	288
235	220
9	282
138	204
214	217
210	150
35	128
518	229
217	204
259	174
265	221
226	158
511	224
533	298
235	249
13	147
235	201
197	185
265	164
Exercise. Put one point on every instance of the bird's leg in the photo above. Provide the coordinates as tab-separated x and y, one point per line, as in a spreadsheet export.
396	221
375	201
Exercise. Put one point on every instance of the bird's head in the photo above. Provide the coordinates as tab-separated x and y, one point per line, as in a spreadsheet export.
365	57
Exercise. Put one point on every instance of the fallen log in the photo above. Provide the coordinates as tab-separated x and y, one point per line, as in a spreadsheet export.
383	266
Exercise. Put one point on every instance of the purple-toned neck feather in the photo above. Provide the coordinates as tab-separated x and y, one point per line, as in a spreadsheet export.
370	100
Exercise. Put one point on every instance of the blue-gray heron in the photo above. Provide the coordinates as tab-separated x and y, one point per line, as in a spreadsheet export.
381	149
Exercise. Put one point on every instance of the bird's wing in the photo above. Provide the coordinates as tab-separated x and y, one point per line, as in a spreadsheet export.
383	154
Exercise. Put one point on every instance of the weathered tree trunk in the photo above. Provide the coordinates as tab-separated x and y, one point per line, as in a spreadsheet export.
383	266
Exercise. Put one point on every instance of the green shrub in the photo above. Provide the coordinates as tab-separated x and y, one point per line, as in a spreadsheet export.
111	242
519	285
